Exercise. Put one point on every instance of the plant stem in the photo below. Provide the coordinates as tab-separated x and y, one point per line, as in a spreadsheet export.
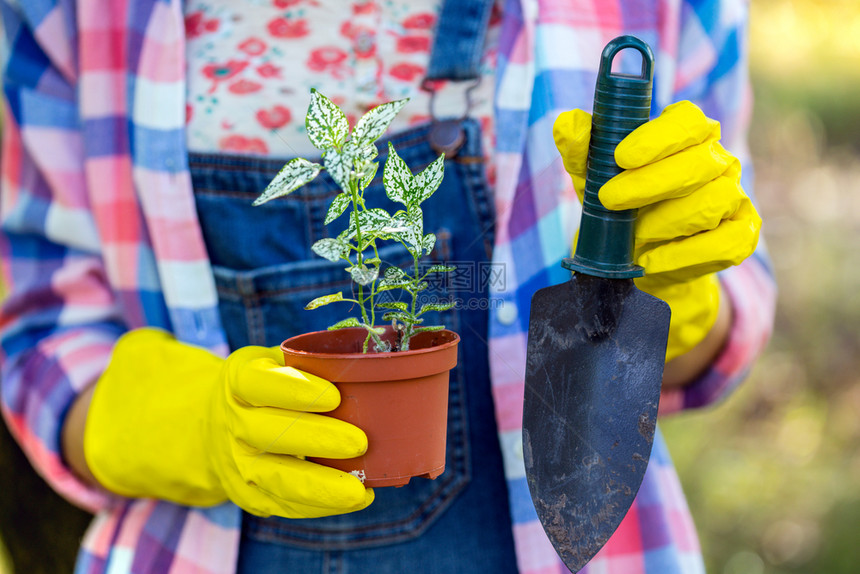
354	198
408	329
376	339
358	206
373	288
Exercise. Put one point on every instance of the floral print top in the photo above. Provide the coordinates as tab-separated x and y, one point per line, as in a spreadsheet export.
251	66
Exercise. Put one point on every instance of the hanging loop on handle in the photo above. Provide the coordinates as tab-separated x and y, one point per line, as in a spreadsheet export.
622	103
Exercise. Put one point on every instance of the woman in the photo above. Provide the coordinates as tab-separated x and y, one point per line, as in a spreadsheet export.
120	214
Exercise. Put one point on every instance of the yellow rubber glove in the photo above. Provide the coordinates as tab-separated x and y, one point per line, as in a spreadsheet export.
175	422
694	217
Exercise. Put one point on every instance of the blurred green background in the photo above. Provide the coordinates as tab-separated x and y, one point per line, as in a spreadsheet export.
772	474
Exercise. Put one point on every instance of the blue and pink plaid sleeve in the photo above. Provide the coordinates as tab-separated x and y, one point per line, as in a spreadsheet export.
98	234
59	318
712	72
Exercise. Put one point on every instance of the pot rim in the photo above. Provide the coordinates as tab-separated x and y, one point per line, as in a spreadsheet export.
370	355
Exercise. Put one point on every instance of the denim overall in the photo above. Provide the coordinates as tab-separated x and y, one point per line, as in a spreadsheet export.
265	273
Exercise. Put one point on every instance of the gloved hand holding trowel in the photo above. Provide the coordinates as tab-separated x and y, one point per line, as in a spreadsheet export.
694	217
662	207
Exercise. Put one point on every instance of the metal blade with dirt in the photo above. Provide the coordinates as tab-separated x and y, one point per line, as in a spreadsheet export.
596	349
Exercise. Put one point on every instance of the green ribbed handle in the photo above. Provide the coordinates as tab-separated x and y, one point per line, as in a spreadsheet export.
622	102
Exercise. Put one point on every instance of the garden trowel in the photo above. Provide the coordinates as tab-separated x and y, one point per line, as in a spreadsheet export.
596	349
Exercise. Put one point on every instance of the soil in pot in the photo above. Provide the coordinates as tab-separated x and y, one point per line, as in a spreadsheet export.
399	399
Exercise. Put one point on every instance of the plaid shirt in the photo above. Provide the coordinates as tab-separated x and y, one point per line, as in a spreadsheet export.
99	235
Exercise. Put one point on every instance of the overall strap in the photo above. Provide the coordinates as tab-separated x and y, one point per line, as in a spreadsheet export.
459	42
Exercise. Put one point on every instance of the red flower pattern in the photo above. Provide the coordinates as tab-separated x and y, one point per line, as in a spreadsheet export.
328	59
422	21
269	70
406	72
253	46
222	72
287	28
359	8
291	3
274	118
273	66
244	87
244	144
408	44
196	24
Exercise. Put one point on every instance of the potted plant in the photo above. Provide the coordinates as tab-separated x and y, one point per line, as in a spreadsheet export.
390	368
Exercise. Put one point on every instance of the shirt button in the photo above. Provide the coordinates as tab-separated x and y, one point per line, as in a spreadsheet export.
507	314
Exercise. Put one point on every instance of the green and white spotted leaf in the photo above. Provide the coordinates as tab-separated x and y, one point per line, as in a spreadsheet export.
405	227
338	206
394	273
429	328
396	226
366	175
373	223
351	322
388	286
364	275
374	123
374	330
367	236
435	307
339	165
362	153
415	218
414	224
347	234
326	123
396	305
394	278
292	176
324	300
397	178
440	269
360	159
402	317
428	181
428	243
374	220
331	248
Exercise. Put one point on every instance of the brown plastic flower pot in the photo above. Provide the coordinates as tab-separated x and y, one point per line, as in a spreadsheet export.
399	399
